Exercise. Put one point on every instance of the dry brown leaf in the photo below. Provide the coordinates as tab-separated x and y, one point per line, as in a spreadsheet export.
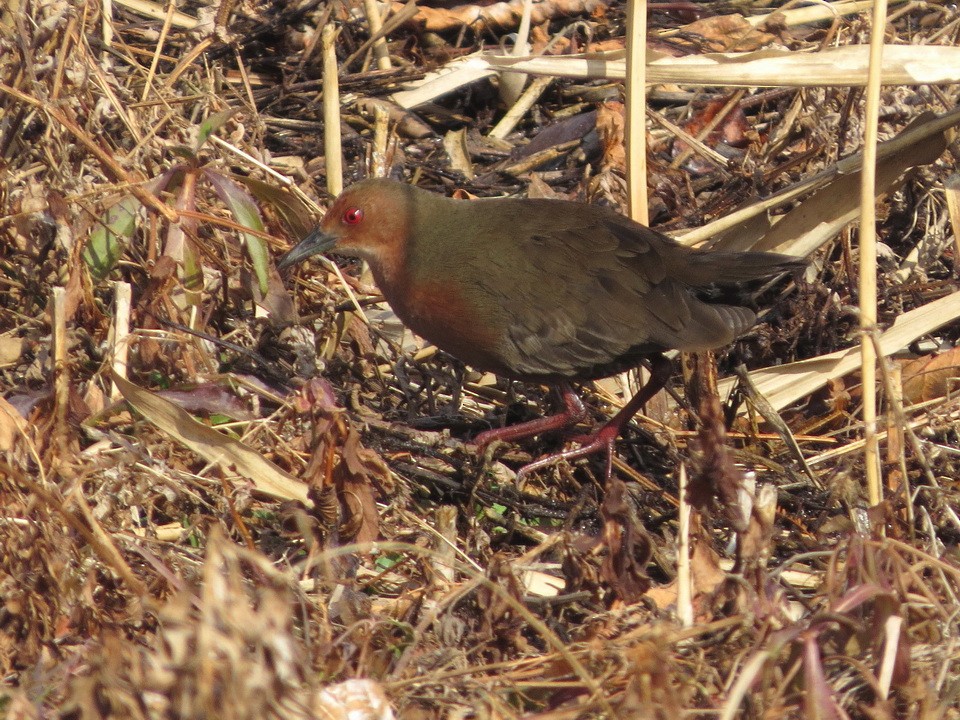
354	475
502	14
213	446
610	127
11	347
12	425
726	33
628	546
931	376
705	575
455	143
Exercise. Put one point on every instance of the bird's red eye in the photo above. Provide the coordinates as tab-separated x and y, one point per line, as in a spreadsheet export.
352	216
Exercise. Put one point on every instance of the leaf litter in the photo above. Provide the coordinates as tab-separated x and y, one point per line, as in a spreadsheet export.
290	521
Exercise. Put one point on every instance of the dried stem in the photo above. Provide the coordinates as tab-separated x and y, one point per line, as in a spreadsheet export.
868	257
376	26
332	148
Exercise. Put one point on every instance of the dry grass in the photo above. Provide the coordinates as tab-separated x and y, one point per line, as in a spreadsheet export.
140	578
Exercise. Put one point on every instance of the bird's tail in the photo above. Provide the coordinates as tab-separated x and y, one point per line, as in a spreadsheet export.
709	268
713	326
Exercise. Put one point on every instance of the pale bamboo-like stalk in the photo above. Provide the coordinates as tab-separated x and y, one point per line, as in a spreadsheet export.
121	333
381	135
511	84
892	630
509	121
636	92
446	523
380	52
952	191
684	572
635	138
868	257
61	369
332	148
108	24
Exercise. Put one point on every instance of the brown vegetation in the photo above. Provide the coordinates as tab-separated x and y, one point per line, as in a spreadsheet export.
335	543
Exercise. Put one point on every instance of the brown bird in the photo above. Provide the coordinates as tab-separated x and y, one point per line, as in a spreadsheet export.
543	291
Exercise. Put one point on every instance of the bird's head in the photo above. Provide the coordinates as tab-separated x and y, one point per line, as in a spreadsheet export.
370	220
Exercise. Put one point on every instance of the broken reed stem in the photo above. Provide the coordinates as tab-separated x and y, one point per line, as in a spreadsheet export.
121	334
446	522
521	107
332	149
684	573
868	257
891	640
635	140
636	94
511	84
380	52
61	371
951	190
400	17
381	135
108	25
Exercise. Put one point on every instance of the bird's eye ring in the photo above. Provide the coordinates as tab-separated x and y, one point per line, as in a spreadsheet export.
352	215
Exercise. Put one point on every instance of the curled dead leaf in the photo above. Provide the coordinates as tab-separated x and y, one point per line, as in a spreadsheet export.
931	376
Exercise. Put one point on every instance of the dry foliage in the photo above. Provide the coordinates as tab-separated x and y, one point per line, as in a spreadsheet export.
302	560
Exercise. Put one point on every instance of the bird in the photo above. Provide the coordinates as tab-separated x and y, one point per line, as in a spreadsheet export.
540	291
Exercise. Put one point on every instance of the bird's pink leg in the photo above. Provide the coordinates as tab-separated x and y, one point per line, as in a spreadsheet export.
573	412
604	438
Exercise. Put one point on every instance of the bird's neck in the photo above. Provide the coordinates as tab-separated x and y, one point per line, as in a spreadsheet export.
410	278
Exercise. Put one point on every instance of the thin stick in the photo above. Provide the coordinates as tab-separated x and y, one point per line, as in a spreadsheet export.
705	131
158	51
868	256
332	148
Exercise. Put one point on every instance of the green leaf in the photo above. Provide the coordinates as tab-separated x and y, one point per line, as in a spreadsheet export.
110	237
290	208
211	125
246	213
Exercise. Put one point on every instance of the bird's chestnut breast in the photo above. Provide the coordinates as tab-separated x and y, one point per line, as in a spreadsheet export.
436	311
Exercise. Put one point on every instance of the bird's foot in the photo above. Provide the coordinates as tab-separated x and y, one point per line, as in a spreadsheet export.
604	438
573	412
600	441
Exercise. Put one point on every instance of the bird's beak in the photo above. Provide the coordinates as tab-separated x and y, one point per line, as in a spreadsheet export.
313	244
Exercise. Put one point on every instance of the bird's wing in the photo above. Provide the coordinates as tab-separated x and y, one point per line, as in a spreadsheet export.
584	298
